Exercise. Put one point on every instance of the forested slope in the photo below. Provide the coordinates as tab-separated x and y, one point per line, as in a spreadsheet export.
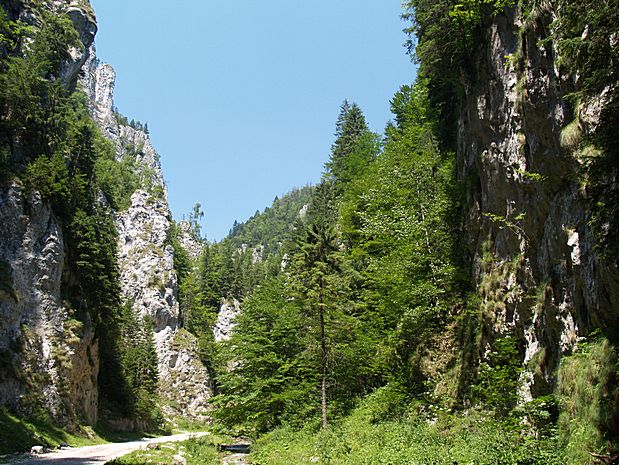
452	293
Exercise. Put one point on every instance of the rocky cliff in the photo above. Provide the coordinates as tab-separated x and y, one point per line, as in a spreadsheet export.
146	258
49	354
539	271
49	359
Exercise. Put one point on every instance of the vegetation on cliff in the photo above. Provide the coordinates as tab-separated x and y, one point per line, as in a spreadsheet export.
374	337
369	332
50	145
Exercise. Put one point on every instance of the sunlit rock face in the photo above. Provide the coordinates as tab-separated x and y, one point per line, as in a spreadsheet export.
146	258
49	359
228	311
527	228
190	240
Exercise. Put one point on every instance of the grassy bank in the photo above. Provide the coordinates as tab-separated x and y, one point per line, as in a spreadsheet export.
449	440
202	451
20	434
372	435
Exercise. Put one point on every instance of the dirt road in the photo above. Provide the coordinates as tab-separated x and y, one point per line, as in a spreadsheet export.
98	455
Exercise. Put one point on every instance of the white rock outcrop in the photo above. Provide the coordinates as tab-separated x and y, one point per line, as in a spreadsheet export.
190	240
228	311
146	258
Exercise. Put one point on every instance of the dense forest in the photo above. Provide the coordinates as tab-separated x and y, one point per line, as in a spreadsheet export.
447	293
378	339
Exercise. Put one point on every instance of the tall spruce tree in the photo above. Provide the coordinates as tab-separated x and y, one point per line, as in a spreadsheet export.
355	146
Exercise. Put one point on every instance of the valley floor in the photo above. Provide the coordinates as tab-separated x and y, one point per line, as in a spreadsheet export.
100	454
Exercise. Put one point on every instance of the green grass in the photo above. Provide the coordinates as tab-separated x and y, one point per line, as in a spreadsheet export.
202	451
589	397
417	437
183	425
20	434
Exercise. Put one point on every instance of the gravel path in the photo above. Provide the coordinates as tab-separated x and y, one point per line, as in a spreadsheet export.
98	455
235	459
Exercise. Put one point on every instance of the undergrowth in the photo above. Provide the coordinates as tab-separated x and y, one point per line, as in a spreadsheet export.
202	451
414	437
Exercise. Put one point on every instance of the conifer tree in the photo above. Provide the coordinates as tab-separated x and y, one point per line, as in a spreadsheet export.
355	146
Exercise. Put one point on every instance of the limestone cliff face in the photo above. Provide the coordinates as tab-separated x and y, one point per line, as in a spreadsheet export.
228	311
54	357
190	241
49	359
528	231
146	259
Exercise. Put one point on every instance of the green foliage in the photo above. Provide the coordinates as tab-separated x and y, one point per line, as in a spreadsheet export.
50	176
202	451
273	226
182	261
441	50
92	257
139	361
370	276
195	217
11	33
513	224
588	395
270	379
30	102
355	146
400	213
409	438
469	13
118	179
585	42
497	382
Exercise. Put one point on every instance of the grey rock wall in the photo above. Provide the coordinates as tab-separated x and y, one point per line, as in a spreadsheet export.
527	229
146	258
49	359
49	356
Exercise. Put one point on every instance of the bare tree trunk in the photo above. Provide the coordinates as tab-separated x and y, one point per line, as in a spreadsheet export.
323	347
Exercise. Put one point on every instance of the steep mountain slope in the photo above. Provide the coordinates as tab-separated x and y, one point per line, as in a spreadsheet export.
85	227
145	255
50	360
523	147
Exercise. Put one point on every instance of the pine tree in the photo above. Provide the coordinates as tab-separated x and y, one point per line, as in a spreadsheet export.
314	267
355	145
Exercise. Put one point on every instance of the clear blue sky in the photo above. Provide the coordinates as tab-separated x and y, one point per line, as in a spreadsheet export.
241	96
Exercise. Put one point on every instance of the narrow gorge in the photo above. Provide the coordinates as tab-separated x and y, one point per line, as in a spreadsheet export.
448	292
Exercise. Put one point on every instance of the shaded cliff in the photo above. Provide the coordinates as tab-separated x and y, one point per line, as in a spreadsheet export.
85	227
524	152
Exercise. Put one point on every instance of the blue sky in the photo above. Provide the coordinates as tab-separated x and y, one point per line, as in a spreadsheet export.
241	97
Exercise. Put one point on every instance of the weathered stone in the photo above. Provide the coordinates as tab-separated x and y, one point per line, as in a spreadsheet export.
146	258
228	311
33	317
190	241
510	149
